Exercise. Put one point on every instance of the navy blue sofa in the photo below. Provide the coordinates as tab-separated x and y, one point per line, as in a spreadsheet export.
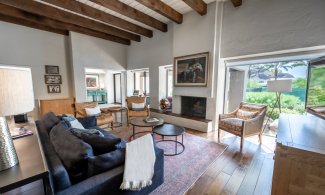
107	182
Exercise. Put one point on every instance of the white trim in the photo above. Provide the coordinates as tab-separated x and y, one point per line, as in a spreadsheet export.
305	49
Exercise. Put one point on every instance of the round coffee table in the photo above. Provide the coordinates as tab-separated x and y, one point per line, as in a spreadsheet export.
171	130
139	122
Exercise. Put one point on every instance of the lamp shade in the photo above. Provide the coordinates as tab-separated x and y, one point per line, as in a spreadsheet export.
16	90
279	85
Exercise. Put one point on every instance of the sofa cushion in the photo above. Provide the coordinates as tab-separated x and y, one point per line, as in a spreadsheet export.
100	144
106	161
72	151
88	122
73	122
49	120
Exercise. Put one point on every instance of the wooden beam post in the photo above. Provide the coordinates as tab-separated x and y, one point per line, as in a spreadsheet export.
133	13
163	9
6	18
97	14
236	3
17	15
198	5
67	17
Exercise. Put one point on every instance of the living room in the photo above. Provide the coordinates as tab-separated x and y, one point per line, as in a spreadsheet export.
232	36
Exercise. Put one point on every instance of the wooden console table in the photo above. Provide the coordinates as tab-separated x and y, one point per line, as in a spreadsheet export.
299	156
32	165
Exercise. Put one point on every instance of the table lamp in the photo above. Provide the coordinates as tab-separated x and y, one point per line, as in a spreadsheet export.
16	97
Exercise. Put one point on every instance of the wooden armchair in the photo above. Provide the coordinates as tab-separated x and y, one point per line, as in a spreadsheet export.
103	119
245	121
131	113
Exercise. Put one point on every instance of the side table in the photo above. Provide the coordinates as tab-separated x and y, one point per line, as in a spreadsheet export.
32	164
115	110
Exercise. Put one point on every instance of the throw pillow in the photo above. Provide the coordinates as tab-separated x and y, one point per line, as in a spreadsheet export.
104	162
72	151
72	122
88	122
95	111
138	106
100	144
79	132
245	115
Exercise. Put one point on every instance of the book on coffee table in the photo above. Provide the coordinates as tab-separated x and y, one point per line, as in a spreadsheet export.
151	120
20	132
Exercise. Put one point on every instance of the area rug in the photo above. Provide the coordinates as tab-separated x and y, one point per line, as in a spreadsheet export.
183	170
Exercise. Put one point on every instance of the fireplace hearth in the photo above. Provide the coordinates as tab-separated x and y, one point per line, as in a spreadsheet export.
193	106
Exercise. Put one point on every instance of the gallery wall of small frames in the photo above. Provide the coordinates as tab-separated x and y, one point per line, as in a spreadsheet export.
53	79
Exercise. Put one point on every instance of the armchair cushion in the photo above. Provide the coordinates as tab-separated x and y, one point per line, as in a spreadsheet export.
242	114
233	125
104	118
95	111
138	106
132	113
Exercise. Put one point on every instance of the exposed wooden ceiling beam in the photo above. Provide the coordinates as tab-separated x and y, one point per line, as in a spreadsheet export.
198	5
63	16
35	20
91	12
133	13
30	24
163	9
236	2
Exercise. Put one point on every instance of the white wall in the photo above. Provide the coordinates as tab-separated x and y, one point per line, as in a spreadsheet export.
92	52
260	26
196	35
151	53
21	45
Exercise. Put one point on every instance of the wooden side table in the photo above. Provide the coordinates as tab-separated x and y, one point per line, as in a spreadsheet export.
32	164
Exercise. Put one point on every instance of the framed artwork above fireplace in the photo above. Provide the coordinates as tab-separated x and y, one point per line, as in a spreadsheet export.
191	70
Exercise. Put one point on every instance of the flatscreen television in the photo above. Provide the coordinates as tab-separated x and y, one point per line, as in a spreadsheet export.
315	103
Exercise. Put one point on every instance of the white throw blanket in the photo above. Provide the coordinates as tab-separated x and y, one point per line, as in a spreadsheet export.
139	163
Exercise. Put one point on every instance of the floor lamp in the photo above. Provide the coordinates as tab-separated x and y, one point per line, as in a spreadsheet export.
278	86
16	97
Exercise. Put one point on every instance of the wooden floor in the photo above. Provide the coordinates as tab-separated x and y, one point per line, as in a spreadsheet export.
238	172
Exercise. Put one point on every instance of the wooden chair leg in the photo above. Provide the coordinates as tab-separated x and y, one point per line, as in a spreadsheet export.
112	125
219	135
260	137
241	143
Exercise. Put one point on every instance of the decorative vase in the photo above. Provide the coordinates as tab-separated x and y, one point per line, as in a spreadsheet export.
164	104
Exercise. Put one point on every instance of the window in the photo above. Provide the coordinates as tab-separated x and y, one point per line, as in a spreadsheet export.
141	82
169	82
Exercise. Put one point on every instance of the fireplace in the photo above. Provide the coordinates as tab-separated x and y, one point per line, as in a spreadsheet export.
193	106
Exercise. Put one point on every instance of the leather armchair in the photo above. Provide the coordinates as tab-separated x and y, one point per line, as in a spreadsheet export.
103	119
131	113
238	126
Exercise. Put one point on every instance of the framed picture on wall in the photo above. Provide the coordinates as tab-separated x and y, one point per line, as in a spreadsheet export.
51	69
53	88
92	81
53	79
191	70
